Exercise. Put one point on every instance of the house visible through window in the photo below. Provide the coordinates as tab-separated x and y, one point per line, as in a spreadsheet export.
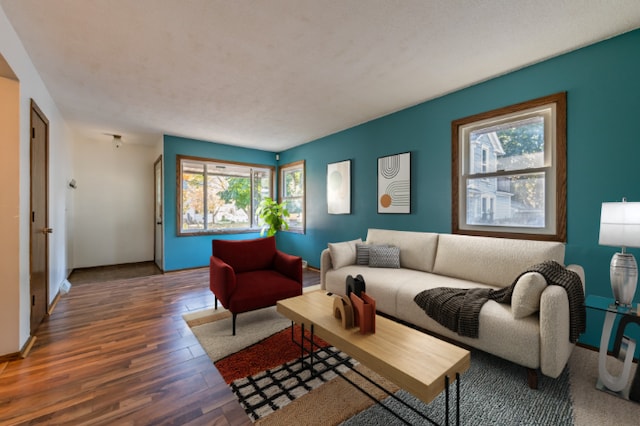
510	171
292	194
217	196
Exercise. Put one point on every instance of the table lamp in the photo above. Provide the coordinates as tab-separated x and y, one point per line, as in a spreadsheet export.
620	227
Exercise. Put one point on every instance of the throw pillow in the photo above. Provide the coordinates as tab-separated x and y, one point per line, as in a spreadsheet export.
362	252
525	299
344	253
384	257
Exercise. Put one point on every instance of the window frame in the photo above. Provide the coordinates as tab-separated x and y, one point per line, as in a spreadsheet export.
555	169
253	227
281	192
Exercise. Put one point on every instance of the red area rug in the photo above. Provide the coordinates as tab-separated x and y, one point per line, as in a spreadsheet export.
267	354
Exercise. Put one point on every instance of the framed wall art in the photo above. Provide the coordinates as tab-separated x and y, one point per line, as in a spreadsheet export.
394	183
339	187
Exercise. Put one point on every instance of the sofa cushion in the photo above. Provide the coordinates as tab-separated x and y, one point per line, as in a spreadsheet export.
384	257
525	299
344	253
492	261
417	249
362	252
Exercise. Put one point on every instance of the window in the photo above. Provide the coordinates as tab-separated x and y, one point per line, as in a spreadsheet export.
292	194
509	171
217	196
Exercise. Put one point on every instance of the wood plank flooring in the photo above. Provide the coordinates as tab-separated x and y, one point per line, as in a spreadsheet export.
119	352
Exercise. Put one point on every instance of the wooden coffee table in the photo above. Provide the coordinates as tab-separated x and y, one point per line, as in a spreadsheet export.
417	362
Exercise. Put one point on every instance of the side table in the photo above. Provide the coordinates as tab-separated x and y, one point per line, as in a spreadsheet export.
624	348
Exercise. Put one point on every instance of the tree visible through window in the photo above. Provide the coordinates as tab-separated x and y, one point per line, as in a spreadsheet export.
509	171
292	194
216	196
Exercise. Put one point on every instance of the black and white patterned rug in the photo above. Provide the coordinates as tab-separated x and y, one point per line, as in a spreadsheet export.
268	391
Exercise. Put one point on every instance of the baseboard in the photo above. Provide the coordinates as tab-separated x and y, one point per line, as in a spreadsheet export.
10	357
53	304
27	347
596	349
24	352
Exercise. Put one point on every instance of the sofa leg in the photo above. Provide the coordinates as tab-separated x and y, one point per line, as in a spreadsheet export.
234	323
532	378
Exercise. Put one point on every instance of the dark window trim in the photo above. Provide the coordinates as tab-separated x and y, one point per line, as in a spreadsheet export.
179	231
560	158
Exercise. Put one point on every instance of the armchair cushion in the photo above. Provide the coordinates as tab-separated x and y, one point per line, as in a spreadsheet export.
259	289
246	255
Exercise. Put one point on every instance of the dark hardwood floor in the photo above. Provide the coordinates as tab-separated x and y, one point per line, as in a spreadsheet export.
117	351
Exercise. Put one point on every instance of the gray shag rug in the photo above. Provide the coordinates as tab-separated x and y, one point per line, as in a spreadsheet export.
493	392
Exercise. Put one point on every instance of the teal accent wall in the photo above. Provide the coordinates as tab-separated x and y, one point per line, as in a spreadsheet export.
602	82
193	251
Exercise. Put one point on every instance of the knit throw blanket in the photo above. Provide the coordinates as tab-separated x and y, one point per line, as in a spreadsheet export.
459	309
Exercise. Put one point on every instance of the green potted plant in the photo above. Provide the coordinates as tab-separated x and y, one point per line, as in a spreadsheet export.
274	215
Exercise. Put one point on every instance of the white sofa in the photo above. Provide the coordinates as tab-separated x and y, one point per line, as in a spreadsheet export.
538	341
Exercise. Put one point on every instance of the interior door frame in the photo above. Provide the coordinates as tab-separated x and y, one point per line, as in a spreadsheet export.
158	246
36	110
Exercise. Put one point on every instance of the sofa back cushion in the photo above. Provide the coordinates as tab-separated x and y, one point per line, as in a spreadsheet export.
492	261
343	253
417	249
246	255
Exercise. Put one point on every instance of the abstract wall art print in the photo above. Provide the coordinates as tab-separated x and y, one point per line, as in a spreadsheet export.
394	183
339	187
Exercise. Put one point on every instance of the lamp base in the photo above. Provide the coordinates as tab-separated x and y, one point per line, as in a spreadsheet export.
624	278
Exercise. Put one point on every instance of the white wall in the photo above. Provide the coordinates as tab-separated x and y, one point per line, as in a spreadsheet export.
112	214
15	305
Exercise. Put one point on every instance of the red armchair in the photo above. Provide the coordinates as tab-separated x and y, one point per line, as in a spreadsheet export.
246	275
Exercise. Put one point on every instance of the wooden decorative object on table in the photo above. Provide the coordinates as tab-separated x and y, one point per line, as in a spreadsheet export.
343	310
364	308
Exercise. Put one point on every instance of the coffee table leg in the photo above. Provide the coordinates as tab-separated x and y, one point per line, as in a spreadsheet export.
446	400
301	344
457	398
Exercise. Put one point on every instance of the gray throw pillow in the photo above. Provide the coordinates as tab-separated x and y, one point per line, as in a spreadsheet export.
362	252
384	257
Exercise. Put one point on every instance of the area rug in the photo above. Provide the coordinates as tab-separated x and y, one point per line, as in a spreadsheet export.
270	380
493	392
213	328
274	388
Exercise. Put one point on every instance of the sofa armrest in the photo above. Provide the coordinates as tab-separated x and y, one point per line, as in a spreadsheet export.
578	270
222	280
288	265
325	265
555	347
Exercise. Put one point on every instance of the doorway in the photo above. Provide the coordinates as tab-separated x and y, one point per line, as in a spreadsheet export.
39	221
157	196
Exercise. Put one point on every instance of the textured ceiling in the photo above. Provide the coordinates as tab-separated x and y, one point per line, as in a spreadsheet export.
278	73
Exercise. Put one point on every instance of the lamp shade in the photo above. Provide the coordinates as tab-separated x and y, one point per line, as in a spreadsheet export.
620	224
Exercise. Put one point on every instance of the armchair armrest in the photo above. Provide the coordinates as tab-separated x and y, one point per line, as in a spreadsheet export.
222	280
288	265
